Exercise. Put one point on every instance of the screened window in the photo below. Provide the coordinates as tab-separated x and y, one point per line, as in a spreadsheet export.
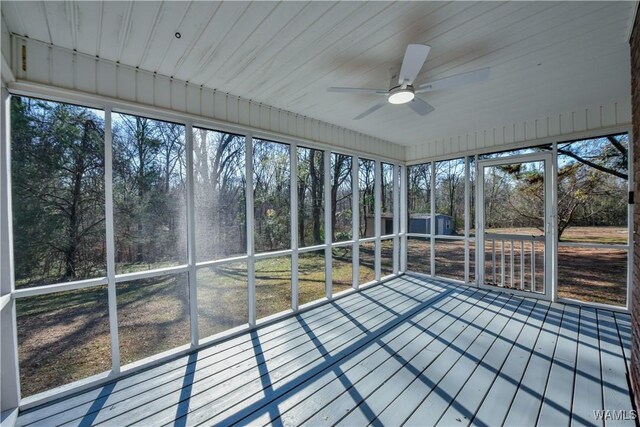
449	258
593	185
311	276
387	208
472	195
62	337
153	316
341	197
149	193
419	198
367	268
60	158
342	268
386	257
273	285
310	197
366	187
271	195
57	163
419	255
220	187
450	178
222	297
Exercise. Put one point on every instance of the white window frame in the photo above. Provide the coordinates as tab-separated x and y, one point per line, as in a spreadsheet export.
11	387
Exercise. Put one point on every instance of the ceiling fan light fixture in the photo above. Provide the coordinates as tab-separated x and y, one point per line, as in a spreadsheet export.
401	96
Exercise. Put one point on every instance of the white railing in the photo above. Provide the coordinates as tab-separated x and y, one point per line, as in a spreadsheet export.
526	246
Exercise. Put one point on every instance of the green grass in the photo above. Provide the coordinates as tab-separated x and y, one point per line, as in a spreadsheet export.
121	268
605	235
222	298
62	337
124	268
595	275
65	336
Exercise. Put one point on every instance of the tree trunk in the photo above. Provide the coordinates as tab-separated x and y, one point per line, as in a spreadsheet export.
316	196
141	164
334	197
73	243
302	190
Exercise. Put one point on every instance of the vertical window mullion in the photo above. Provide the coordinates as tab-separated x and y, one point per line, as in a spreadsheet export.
377	175
110	241
467	207
251	267
554	221
478	250
396	218
432	185
8	334
327	225
355	215
404	214
191	238
293	164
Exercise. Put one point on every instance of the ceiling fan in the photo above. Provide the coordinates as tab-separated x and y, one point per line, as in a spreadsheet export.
403	91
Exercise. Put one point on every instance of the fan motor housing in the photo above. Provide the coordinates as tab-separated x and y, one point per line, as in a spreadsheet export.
400	95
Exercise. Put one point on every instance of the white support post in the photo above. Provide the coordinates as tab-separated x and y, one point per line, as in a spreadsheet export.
251	262
493	259
511	260
533	266
377	175
355	215
110	243
479	252
191	239
396	218
10	391
328	280
467	216
522	262
294	225
554	222
433	219
548	249
502	269
404	214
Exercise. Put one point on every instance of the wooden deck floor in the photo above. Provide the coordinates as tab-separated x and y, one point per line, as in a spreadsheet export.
410	351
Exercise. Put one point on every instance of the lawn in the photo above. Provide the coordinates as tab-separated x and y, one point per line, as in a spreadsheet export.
595	275
64	337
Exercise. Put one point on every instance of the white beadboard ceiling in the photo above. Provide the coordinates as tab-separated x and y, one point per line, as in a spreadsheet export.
545	57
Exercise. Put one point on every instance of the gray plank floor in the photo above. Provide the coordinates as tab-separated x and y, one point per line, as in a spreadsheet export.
409	351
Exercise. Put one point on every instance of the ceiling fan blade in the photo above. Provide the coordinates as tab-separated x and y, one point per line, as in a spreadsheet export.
456	80
357	90
414	58
420	106
370	110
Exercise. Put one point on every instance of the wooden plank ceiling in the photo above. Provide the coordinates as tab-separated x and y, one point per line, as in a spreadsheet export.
545	57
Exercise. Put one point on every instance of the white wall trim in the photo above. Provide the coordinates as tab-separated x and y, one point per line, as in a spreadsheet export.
7	74
102	78
10	385
586	134
51	93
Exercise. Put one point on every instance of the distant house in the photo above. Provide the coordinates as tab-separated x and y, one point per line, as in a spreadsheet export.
421	224
386	224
